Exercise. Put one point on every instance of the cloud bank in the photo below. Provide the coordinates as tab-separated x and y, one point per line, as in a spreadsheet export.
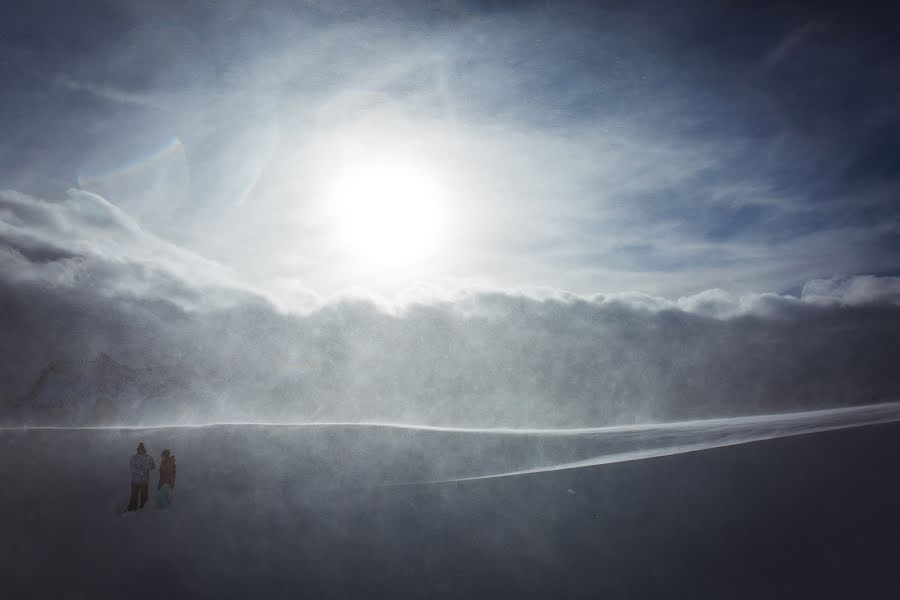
105	323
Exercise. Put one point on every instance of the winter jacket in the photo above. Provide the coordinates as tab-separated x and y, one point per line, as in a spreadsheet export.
141	465
167	472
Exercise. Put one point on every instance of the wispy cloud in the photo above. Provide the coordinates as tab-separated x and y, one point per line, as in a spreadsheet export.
107	92
593	160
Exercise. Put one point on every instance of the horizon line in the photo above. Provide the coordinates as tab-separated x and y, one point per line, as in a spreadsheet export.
888	407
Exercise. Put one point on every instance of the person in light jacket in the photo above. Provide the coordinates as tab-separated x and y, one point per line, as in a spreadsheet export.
141	464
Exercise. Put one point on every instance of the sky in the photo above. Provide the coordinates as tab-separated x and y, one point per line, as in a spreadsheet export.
722	178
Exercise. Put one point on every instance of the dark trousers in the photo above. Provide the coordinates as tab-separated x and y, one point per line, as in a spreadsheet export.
138	489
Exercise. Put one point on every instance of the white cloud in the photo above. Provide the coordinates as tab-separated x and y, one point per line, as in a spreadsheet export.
81	281
853	291
85	242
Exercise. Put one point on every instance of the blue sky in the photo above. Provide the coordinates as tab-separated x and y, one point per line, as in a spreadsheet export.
625	147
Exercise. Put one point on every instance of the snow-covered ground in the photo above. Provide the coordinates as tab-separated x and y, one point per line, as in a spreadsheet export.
358	510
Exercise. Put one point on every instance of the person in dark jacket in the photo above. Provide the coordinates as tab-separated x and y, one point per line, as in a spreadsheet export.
166	485
140	464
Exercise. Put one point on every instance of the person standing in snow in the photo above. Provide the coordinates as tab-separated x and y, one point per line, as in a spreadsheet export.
166	483
141	464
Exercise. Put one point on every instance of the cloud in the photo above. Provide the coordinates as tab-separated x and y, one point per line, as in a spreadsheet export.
107	92
105	323
853	291
678	180
89	245
608	157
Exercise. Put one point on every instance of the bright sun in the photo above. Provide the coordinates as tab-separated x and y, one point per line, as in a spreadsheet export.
387	215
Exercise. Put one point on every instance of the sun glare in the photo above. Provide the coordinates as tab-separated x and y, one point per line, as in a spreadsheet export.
386	215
